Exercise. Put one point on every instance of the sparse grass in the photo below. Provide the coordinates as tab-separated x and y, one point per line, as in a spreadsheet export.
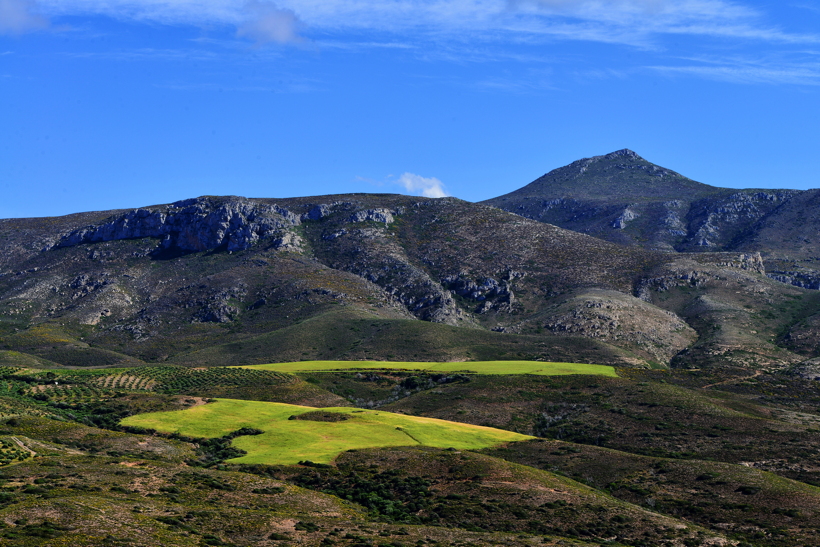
290	441
477	367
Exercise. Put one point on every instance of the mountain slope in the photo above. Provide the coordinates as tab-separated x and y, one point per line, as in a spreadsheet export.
227	279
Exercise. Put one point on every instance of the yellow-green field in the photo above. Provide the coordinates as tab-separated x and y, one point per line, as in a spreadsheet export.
287	441
475	367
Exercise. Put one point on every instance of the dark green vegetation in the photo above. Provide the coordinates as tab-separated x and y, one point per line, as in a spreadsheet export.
648	458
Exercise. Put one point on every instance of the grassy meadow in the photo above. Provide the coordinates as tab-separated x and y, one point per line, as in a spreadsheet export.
476	367
288	441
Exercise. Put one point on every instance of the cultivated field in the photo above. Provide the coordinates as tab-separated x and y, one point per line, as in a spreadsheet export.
289	437
477	367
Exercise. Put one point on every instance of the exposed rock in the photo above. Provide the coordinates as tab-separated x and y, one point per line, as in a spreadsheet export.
687	273
289	242
488	292
622	321
193	225
627	216
808	370
217	312
334	235
808	279
595	195
85	284
372	215
317	213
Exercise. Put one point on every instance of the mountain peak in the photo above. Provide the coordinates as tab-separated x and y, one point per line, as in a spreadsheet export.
621	176
623	153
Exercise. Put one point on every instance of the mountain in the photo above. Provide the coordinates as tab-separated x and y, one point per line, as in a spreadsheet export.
217	280
623	198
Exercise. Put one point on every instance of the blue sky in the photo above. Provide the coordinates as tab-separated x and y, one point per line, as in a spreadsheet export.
123	103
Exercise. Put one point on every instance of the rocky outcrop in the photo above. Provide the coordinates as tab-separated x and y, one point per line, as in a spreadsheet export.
487	293
415	290
627	216
716	223
806	279
623	321
324	210
808	370
196	224
372	215
694	274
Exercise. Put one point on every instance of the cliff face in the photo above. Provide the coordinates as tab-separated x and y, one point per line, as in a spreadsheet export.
193	225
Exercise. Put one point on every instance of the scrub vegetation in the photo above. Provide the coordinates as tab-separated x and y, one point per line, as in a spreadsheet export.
644	458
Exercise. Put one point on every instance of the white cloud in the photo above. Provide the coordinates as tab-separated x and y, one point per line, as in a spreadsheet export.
638	21
267	23
18	16
427	187
807	6
612	21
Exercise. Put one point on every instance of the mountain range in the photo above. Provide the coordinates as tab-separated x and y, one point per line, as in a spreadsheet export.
610	259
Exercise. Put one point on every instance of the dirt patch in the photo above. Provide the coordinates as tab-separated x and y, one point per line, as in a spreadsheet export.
132	464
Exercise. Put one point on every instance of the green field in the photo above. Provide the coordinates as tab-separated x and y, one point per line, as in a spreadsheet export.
287	441
476	367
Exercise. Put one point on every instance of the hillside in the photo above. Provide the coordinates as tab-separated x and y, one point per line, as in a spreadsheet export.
673	458
228	280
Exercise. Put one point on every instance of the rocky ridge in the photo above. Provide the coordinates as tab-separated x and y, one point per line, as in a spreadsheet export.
160	282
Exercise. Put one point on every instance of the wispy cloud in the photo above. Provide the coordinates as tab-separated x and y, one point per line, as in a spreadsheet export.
294	86
428	187
147	53
634	22
339	44
808	7
747	75
267	23
638	21
20	16
748	71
